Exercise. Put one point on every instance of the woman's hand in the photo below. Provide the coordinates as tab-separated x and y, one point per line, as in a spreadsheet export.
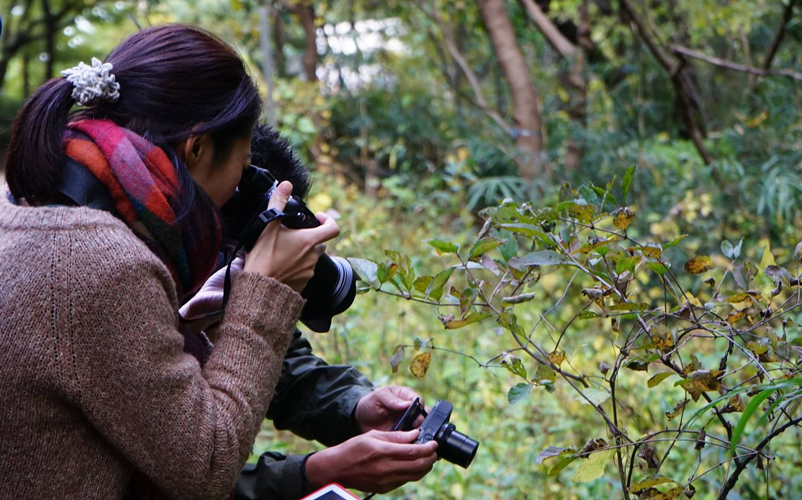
289	255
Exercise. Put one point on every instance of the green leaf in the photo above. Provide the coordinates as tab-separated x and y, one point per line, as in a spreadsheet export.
435	289
484	245
528	230
592	467
509	248
751	408
422	283
518	392
674	242
588	315
596	396
562	464
539	258
470	319
657	268
386	271
366	270
405	269
443	247
627	182
627	264
514	365
587	193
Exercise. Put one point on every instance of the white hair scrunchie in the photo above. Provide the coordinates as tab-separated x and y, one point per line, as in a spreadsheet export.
92	83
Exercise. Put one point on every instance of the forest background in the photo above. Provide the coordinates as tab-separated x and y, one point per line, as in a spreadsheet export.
619	136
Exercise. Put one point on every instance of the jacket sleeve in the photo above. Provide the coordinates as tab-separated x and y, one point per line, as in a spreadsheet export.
273	477
189	429
315	400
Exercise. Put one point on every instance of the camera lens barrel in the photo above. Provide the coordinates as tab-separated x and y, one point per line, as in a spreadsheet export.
455	447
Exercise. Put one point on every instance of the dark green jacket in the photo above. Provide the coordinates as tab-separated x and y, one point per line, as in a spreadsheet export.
313	400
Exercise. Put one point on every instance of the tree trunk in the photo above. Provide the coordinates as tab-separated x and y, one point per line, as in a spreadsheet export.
306	14
51	30
528	132
578	88
278	42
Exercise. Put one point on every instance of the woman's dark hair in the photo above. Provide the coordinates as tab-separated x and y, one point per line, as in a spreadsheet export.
175	81
271	151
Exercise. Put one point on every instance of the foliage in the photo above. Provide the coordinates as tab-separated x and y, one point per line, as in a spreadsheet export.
553	279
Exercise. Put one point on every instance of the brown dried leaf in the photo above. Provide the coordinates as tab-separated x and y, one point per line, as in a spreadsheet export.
699	264
671	415
591	446
420	364
662	338
646	453
734	404
701	381
700	439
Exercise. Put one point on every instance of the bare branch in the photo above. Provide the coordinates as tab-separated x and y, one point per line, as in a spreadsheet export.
553	36
721	63
778	37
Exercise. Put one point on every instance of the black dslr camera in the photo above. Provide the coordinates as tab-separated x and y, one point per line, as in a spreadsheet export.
452	446
333	287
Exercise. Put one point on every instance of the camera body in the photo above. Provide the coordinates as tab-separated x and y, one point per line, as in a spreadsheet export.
333	287
452	446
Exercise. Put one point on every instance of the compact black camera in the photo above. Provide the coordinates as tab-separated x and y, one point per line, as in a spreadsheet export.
333	287
452	446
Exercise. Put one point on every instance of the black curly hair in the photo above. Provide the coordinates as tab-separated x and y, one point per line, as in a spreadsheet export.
271	151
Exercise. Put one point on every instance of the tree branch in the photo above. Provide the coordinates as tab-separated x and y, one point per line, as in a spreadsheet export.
778	37
740	465
721	63
553	36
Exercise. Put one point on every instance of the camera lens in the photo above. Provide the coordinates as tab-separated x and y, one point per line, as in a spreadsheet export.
455	446
330	291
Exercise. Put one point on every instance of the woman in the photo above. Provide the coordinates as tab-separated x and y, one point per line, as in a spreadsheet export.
95	384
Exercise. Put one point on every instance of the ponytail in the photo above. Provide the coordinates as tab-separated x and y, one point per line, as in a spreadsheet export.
35	155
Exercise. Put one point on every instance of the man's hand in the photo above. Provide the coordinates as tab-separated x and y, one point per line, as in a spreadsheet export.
381	409
375	461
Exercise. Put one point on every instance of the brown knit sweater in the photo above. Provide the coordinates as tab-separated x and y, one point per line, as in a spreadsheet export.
93	379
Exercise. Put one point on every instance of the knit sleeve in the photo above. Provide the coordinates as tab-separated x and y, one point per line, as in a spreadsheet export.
189	429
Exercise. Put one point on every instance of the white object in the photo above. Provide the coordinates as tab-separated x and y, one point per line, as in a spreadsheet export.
92	83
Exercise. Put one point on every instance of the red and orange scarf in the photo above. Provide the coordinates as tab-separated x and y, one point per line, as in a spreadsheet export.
147	194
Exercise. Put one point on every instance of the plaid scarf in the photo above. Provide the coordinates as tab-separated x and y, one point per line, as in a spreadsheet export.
146	190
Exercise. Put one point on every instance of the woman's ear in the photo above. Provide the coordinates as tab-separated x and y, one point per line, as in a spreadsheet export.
197	153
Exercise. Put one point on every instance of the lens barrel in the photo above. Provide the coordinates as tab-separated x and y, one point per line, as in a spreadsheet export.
455	447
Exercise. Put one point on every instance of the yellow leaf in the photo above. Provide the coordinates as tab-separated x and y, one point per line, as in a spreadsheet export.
699	264
650	251
767	259
734	404
671	415
623	218
658	378
592	467
649	483
557	357
420	364
662	338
